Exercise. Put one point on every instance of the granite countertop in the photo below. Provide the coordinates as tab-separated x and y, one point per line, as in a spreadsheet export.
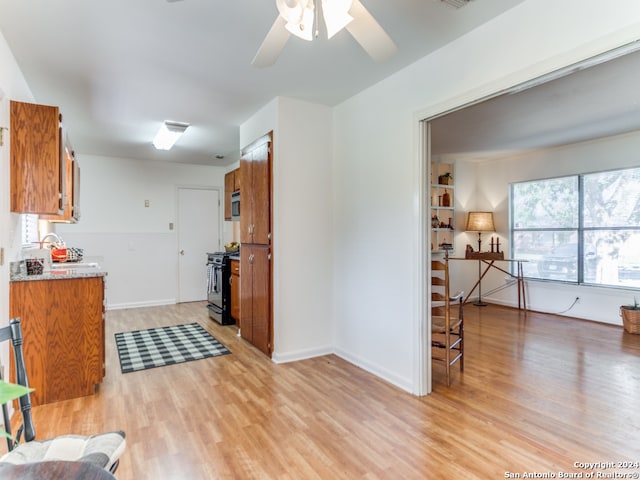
62	271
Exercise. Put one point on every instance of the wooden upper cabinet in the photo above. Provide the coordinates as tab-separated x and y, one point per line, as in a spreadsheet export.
255	219
38	173
231	184
71	212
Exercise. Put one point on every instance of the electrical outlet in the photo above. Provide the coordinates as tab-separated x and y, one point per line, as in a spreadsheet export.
146	203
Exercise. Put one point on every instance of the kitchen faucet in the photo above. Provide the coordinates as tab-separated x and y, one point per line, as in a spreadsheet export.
52	234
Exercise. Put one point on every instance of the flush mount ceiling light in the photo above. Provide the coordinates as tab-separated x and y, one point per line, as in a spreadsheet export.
300	18
169	134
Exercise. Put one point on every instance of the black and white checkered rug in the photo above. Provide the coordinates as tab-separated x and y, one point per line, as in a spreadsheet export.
161	346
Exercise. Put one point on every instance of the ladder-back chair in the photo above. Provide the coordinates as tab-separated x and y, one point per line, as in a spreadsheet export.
447	323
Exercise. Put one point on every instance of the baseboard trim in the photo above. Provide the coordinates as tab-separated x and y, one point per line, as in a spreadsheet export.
376	370
287	357
151	303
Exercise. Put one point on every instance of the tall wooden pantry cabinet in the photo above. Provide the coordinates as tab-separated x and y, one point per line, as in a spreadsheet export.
256	317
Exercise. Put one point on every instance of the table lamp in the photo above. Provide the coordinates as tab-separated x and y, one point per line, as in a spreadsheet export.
480	222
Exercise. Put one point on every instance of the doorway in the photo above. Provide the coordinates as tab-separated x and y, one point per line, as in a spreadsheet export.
517	113
198	233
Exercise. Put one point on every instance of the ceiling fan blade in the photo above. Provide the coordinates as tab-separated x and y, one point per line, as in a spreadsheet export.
369	34
272	44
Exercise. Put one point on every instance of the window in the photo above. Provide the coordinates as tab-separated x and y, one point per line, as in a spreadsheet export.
29	229
580	228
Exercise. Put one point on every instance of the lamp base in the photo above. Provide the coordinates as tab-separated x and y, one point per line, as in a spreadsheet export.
480	303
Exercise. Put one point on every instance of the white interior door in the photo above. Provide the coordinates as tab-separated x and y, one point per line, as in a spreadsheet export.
198	233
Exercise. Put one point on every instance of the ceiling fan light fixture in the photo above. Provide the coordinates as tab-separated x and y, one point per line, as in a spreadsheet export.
299	15
304	28
169	134
336	15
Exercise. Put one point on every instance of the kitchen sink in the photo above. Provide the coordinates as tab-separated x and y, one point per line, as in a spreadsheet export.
70	265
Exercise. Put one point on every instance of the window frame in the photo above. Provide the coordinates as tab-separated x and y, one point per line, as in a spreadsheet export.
581	231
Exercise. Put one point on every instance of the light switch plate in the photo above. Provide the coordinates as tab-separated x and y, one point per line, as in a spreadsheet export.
1	256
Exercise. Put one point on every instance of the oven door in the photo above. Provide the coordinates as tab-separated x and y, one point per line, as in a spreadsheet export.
215	312
214	293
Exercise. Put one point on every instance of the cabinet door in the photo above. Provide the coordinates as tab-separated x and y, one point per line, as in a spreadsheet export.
71	211
246	198
255	219
37	165
260	191
235	291
228	190
236	180
246	294
261	298
76	188
63	329
255	296
27	301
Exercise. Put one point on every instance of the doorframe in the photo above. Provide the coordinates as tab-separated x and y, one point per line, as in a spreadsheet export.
176	228
422	122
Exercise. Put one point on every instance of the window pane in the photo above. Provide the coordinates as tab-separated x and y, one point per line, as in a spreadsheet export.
612	199
616	259
545	203
551	255
29	229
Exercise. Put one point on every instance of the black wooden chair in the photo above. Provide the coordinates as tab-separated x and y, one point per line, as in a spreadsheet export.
103	449
447	322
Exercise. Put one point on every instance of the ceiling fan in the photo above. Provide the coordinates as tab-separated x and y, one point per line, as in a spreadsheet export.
300	18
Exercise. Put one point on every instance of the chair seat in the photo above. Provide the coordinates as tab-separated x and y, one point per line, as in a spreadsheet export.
103	450
438	324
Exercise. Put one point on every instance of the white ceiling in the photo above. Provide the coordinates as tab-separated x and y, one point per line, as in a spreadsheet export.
119	68
589	103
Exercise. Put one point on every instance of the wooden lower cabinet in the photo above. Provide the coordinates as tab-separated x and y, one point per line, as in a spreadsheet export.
63	329
235	291
255	303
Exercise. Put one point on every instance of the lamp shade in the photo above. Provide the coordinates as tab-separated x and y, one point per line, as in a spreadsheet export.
480	222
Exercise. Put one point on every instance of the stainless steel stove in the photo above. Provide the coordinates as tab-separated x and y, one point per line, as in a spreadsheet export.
219	288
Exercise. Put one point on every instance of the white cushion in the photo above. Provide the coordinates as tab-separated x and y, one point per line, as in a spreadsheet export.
102	450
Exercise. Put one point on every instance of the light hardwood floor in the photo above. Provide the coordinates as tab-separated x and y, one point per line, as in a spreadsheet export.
538	393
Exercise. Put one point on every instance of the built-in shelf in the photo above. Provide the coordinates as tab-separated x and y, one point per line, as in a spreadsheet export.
441	203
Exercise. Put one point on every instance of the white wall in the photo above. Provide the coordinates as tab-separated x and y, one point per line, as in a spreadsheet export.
139	249
12	87
302	239
493	178
379	306
363	281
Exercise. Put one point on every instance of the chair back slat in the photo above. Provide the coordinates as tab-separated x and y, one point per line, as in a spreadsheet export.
13	332
21	378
